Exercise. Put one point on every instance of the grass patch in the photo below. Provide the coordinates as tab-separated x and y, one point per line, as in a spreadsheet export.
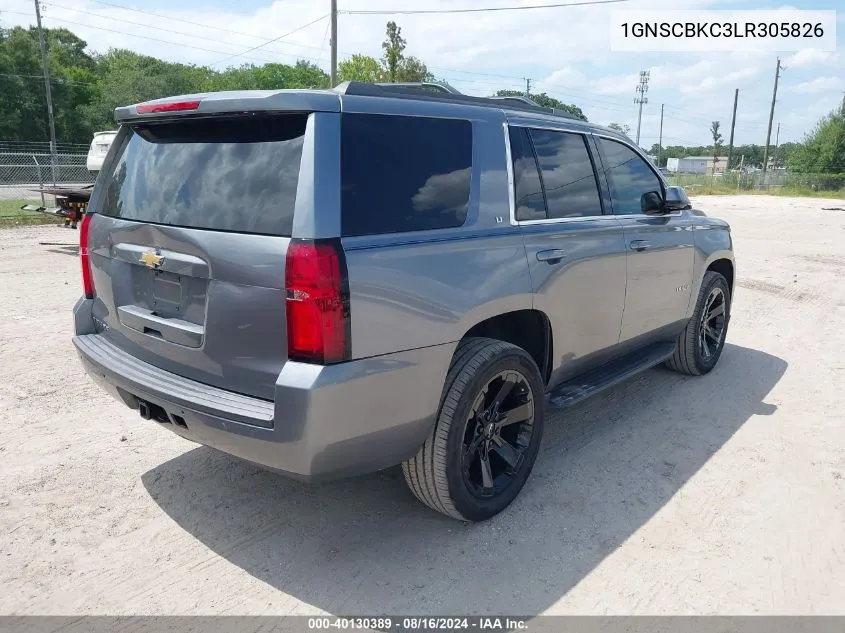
790	192
798	186
11	214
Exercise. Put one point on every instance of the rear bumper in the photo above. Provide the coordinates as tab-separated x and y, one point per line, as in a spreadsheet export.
326	422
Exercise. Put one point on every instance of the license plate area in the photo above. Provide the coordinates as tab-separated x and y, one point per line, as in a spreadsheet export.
166	293
169	295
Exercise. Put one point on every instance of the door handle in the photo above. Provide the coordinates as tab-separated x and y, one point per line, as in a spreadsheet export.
552	256
640	245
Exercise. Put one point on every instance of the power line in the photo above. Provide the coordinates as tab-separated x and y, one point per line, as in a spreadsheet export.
29	15
699	121
275	39
200	24
154	39
323	45
59	80
482	9
201	37
185	21
147	26
472	72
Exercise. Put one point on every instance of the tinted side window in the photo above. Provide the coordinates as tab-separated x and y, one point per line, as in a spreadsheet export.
569	180
630	179
530	203
403	173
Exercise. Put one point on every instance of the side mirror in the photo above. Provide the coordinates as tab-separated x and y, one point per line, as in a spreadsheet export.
651	202
676	199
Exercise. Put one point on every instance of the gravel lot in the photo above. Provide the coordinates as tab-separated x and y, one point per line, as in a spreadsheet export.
667	495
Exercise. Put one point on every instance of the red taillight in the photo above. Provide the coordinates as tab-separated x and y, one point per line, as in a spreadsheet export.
317	303
172	106
87	279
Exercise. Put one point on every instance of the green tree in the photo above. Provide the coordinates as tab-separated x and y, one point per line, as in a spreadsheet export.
305	74
783	152
360	68
717	142
393	47
23	105
823	149
125	77
412	69
395	66
544	100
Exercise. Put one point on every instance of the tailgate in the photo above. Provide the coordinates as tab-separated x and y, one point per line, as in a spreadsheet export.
188	244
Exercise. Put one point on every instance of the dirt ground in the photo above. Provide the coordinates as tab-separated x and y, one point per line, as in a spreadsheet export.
667	495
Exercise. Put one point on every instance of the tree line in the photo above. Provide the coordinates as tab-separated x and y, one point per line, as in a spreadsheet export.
87	87
821	152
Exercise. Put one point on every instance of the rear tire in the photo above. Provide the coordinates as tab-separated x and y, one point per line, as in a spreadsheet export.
487	434
700	345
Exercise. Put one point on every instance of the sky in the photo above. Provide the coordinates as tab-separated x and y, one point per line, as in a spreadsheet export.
564	51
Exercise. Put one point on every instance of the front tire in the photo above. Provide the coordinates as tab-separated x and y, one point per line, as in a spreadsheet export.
700	345
487	434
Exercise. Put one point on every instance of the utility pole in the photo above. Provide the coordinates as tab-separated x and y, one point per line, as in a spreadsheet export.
642	89
733	123
43	45
334	42
771	118
527	87
777	144
660	141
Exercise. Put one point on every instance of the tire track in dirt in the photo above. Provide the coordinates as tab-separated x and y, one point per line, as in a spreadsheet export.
796	292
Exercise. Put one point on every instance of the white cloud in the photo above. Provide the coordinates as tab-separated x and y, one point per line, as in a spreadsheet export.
718	80
820	84
810	57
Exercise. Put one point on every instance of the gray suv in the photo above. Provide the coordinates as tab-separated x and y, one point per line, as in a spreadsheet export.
329	283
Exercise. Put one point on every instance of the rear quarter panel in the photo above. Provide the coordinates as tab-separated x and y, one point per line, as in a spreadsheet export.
413	290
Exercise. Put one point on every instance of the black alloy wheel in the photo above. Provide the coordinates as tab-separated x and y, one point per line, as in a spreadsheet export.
498	432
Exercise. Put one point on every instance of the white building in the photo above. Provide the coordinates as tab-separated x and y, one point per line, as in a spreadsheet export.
696	165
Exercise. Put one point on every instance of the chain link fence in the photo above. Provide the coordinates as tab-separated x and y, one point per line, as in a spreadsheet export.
772	181
23	173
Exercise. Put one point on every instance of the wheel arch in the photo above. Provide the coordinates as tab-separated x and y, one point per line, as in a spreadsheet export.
529	329
724	267
721	261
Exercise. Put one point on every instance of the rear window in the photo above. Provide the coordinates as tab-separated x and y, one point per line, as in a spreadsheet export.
225	174
403	173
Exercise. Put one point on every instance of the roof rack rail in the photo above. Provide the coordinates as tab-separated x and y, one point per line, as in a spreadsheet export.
516	99
429	86
440	91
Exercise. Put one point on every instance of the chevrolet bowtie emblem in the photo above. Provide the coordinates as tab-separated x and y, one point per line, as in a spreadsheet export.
151	259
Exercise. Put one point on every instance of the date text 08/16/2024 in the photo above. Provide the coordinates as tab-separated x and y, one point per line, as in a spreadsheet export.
422	623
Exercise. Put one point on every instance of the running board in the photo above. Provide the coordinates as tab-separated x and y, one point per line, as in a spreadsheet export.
581	387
